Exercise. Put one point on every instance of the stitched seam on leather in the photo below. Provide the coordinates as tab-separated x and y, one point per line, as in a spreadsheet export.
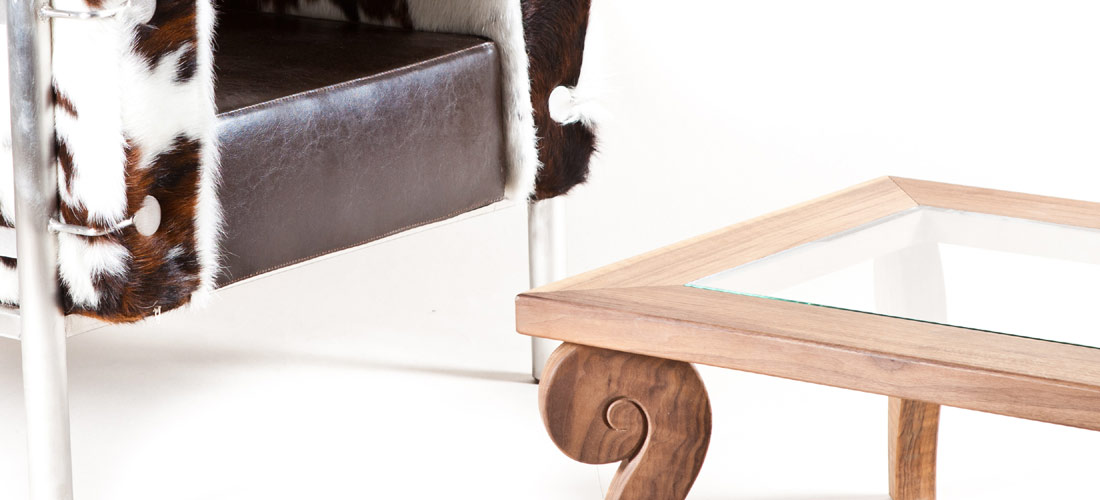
358	81
368	240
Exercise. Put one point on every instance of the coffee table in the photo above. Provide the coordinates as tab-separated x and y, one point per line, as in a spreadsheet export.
932	294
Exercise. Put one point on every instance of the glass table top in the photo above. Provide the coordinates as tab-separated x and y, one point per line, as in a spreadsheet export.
965	269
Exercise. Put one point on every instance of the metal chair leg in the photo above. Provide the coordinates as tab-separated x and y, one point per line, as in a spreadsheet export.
45	390
42	323
546	254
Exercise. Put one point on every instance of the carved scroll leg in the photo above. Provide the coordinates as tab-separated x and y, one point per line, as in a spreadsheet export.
913	429
653	414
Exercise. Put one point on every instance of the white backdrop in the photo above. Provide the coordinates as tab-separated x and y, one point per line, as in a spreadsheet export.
394	372
717	111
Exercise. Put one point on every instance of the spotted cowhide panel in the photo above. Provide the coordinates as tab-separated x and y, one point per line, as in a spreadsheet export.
134	115
555	32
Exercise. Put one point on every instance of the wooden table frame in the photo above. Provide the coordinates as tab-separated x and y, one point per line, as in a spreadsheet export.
621	388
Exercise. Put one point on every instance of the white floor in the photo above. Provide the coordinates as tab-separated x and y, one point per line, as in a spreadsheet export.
393	372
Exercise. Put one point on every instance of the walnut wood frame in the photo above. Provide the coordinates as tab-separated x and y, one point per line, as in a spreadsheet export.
641	306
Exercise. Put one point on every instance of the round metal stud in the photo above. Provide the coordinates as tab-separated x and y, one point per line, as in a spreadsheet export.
562	107
147	218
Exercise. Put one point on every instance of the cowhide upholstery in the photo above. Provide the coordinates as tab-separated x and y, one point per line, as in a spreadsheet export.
555	33
135	117
134	114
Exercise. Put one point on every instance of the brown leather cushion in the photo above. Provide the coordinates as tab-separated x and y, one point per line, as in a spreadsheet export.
334	134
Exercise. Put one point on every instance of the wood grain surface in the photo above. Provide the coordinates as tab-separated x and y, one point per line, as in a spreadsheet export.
642	306
1006	203
757	238
652	414
914	426
971	369
748	241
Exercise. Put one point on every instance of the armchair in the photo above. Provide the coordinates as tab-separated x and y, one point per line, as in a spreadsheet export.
162	150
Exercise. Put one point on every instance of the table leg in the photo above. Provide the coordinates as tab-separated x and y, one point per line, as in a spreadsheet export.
909	283
652	414
913	429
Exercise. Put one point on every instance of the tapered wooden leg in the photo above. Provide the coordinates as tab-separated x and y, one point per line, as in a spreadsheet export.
913	429
652	414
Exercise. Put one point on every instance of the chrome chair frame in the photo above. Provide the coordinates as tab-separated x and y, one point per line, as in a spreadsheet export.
40	323
546	261
41	320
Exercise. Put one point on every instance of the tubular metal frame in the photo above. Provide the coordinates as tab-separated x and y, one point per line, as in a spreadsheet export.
48	11
61	227
41	320
546	262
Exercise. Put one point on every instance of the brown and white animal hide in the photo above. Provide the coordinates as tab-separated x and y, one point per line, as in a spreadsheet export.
548	33
135	117
555	31
134	114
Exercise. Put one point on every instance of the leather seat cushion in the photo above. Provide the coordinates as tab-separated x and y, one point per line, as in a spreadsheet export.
335	134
